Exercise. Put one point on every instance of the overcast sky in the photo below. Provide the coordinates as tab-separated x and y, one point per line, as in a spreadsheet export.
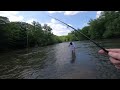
77	19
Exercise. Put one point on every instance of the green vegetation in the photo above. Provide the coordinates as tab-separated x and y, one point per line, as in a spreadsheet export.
17	35
105	27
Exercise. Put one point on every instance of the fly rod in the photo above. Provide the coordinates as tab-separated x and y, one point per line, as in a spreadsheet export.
82	34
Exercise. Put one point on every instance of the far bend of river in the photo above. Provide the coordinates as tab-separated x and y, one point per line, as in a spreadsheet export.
56	62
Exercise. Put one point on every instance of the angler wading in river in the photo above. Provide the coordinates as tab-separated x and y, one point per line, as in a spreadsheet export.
114	54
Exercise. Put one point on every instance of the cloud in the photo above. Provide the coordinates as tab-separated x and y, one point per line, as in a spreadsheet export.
57	28
67	12
31	20
72	12
53	21
70	24
55	11
98	14
16	18
12	15
84	24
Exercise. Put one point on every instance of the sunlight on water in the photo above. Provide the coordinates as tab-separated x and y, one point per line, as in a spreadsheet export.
57	62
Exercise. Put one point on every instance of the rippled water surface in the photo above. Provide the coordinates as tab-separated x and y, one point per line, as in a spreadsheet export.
57	62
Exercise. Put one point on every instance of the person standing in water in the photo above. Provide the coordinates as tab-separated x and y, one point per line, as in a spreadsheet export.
72	47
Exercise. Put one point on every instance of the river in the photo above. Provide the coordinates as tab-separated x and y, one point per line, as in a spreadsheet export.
56	62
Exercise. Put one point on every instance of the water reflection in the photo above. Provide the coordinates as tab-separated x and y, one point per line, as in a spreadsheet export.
73	57
55	62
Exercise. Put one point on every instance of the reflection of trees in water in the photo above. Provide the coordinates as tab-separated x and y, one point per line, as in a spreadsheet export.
12	63
17	63
43	57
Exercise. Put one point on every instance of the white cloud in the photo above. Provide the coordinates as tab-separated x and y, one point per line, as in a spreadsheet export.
70	24
72	12
12	15
53	21
42	24
55	11
67	12
57	28
8	13
31	20
98	14
84	24
16	18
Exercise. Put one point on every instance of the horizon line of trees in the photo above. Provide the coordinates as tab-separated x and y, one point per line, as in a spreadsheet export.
17	35
107	26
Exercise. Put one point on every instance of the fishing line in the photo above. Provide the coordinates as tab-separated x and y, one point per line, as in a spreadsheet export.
81	34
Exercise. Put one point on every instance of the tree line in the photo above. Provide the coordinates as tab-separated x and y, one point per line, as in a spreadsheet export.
105	27
17	35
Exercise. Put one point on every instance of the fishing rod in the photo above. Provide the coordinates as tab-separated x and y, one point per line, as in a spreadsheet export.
82	34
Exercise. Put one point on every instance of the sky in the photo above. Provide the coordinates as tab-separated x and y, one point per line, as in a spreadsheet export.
77	19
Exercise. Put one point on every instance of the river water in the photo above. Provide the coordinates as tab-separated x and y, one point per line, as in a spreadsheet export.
57	62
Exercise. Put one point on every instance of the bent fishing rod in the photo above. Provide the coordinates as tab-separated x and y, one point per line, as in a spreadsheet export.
81	34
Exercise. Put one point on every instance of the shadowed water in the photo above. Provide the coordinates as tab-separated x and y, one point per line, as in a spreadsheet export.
57	62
